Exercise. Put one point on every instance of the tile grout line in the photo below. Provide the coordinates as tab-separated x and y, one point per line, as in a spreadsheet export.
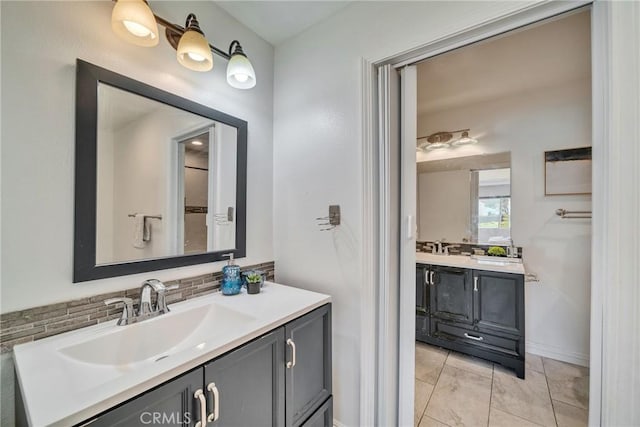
433	391
493	369
546	381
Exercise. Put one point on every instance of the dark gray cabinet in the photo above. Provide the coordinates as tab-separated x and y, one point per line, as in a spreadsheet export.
281	379
451	293
499	303
477	312
171	404
246	386
308	367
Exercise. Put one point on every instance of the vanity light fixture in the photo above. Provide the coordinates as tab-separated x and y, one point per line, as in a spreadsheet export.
135	22
196	142
443	140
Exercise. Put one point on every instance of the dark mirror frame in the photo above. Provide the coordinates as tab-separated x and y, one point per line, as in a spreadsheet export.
84	249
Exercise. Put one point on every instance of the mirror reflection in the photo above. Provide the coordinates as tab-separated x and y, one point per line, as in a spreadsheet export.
166	180
465	199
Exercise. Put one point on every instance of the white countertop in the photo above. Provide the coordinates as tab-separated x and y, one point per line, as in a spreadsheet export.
468	262
59	390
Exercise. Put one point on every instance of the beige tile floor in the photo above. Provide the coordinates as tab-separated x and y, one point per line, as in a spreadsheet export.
453	390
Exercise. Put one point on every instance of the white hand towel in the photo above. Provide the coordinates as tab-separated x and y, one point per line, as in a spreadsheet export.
139	224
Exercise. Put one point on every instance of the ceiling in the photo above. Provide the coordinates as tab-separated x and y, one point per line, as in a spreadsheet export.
542	55
276	21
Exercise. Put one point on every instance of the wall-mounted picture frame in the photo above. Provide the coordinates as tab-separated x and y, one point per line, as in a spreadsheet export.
567	171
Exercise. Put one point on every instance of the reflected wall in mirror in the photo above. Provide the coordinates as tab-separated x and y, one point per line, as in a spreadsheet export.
160	180
465	199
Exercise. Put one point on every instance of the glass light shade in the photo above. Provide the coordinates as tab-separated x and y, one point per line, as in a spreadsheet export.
428	146
133	21
436	145
465	140
194	52
240	72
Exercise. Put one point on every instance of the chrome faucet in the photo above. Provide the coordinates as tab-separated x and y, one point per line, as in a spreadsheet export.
437	248
146	309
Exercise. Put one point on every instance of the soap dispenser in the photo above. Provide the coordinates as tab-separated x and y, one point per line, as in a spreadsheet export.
231	281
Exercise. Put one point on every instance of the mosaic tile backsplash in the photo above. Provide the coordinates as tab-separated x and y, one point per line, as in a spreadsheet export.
425	246
35	323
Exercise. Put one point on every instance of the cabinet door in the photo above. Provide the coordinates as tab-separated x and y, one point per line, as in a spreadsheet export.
171	404
499	302
422	301
422	274
451	293
249	383
308	364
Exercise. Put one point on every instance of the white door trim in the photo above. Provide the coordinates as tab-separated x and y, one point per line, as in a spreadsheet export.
407	263
374	205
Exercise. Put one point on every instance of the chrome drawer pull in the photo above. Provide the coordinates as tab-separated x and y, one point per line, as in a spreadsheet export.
293	354
203	408
471	337
216	403
475	283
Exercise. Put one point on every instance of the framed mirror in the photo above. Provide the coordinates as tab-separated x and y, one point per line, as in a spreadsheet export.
465	199
160	181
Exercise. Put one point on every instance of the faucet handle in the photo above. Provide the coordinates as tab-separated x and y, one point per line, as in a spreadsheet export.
161	302
127	312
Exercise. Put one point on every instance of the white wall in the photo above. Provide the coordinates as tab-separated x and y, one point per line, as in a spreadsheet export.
318	151
444	205
557	250
38	87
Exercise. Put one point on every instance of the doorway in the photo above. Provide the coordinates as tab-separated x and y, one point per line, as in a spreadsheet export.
406	224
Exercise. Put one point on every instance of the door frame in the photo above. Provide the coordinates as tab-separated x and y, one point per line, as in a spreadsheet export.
175	185
379	254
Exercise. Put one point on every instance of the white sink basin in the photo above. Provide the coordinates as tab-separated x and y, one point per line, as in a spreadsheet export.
154	339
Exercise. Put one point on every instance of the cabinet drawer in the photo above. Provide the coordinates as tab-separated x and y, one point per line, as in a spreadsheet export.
476	338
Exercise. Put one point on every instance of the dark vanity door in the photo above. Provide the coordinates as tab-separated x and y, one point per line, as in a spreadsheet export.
422	301
451	294
499	302
249	383
308	364
171	404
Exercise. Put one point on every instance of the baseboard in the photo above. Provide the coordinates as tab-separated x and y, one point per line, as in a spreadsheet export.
556	353
337	423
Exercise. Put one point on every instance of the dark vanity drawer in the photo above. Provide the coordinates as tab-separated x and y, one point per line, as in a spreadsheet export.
480	339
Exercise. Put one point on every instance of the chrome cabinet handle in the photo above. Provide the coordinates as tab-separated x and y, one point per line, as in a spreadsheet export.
471	337
431	277
292	363
213	416
203	408
475	284
426	278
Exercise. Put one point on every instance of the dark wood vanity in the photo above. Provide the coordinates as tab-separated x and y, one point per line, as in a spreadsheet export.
476	312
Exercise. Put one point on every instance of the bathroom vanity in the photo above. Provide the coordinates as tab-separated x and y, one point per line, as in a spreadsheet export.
246	360
474	306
